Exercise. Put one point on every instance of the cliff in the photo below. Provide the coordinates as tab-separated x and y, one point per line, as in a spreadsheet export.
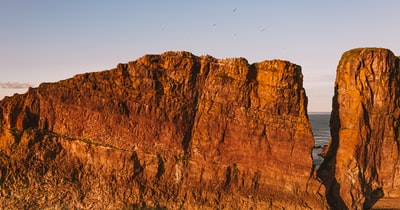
165	131
362	163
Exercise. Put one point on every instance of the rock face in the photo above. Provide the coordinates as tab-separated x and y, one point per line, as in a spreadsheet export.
165	131
362	164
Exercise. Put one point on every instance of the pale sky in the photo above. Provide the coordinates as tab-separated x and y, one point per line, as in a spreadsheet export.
49	40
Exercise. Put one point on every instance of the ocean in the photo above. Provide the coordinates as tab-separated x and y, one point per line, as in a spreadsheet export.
320	127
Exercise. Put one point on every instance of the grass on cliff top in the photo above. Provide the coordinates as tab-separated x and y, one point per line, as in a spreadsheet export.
357	51
348	54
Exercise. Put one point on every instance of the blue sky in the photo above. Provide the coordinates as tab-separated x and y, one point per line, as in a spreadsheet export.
48	40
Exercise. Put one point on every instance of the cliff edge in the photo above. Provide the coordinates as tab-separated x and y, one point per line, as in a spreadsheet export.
165	131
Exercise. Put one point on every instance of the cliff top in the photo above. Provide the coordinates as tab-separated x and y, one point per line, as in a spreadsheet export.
357	51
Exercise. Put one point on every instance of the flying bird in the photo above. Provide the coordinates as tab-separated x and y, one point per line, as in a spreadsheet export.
234	10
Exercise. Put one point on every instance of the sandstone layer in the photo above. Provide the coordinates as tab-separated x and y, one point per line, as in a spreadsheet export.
165	131
362	163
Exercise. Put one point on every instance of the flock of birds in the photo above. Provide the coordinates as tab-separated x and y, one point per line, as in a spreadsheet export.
163	27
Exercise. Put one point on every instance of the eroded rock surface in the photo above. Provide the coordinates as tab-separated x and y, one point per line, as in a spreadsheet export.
168	131
362	164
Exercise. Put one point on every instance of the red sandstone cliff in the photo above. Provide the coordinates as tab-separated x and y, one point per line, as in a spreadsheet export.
172	130
362	165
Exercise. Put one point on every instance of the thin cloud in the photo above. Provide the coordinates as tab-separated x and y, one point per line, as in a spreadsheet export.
14	85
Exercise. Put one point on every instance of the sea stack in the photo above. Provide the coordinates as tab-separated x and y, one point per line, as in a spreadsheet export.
362	165
172	131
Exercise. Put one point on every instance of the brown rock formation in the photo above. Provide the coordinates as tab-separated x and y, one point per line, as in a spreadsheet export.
363	160
171	130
